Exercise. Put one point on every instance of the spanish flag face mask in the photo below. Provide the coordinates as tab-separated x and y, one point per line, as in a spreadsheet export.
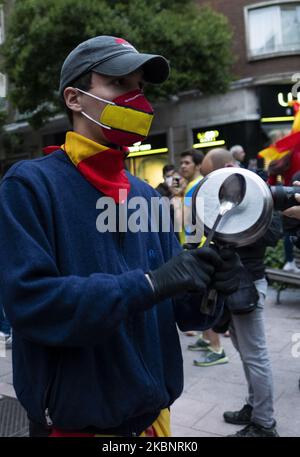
126	119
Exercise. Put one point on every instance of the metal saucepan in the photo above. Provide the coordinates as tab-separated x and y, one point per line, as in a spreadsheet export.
244	224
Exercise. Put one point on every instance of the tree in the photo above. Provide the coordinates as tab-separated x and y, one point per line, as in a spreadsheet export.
197	41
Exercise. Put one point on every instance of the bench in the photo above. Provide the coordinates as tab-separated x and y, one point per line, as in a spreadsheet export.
285	278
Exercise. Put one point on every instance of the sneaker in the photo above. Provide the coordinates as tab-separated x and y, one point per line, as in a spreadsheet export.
242	417
8	342
212	358
7	339
291	266
191	333
199	345
256	431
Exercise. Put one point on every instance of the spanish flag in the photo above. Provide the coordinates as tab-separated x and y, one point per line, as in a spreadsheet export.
102	166
283	146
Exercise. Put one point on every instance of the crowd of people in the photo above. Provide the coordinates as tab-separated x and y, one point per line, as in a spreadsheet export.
246	328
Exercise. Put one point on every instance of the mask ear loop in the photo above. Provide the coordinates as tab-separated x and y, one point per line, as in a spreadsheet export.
94	120
99	99
95	96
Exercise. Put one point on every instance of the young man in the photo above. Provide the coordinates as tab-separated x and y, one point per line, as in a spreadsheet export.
190	163
238	154
164	188
247	331
94	311
210	343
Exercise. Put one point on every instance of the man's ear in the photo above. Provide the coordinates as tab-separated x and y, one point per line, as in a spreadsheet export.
72	99
229	164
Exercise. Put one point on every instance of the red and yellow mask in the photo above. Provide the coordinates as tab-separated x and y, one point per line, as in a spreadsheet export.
126	119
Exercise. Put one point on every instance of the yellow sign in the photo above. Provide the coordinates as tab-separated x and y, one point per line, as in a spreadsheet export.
208	139
208	136
139	149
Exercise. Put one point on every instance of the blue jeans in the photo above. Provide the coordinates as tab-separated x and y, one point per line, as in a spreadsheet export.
288	248
4	324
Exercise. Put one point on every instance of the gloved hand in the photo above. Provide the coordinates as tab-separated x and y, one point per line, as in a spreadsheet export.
189	271
226	277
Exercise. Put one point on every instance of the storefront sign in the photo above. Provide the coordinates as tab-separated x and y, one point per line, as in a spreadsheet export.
274	103
154	144
208	138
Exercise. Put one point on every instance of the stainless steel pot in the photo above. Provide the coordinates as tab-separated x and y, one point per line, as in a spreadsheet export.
248	221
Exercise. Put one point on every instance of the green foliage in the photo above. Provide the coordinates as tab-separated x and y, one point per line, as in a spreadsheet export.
197	41
274	257
13	143
2	119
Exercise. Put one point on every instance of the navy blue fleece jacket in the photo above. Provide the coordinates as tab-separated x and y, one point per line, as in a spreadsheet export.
91	348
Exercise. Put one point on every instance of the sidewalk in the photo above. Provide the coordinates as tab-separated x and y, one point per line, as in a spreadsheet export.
208	392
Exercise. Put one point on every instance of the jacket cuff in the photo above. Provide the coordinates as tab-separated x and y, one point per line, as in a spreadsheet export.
137	288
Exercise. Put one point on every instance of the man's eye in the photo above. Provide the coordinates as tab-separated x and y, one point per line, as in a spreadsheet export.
119	82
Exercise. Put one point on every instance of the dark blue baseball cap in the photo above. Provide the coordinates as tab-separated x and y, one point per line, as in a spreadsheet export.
111	56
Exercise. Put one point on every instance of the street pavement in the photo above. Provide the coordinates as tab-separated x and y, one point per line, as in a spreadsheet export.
210	391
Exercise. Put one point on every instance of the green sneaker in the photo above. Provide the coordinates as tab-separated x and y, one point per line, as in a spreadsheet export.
199	345
212	358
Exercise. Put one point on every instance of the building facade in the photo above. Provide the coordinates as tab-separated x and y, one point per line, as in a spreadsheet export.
266	46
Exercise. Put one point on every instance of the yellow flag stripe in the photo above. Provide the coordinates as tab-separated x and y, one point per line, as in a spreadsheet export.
127	119
80	148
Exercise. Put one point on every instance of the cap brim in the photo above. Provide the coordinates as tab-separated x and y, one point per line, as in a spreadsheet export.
156	68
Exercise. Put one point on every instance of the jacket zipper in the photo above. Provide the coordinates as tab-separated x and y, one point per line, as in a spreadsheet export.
47	395
130	328
48	418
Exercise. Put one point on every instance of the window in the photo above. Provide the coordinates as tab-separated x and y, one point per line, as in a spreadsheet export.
273	29
1	25
2	85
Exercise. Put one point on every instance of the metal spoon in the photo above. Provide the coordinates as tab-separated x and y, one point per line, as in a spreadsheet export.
231	194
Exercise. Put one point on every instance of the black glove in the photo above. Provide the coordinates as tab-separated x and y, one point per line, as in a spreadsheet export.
189	271
226	277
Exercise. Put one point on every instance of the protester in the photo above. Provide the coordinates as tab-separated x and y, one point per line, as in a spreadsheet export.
209	342
252	165
244	315
238	154
5	330
285	167
190	163
164	188
294	211
247	332
94	311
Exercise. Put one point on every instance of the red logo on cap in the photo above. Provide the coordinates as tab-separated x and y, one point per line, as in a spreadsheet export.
123	42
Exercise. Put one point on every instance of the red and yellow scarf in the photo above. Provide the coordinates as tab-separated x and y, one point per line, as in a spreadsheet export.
159	428
102	166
